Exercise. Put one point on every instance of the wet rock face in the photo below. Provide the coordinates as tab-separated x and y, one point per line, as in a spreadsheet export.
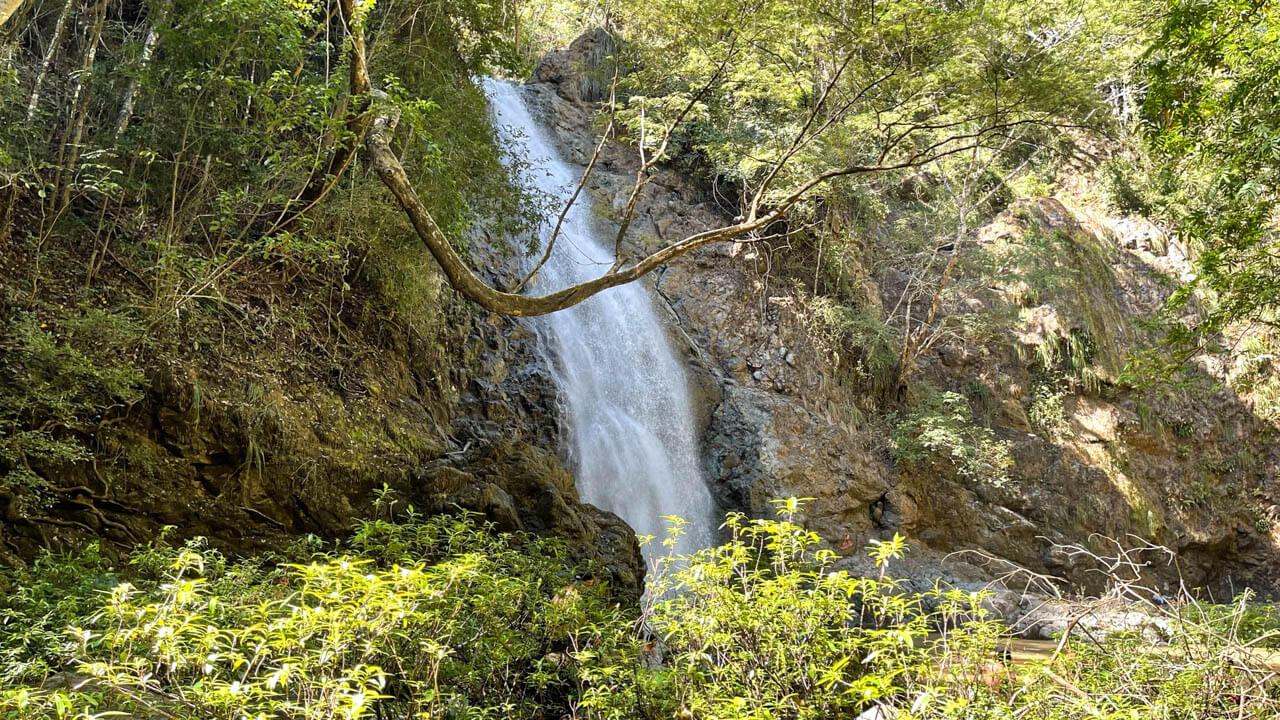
777	423
771	427
761	447
505	464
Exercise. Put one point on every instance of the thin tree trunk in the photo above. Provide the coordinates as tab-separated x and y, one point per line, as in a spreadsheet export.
59	31
79	110
911	345
6	217
131	93
322	181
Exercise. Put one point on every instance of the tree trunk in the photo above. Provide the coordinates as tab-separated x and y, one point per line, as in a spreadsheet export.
322	181
913	343
79	110
6	216
59	31
131	92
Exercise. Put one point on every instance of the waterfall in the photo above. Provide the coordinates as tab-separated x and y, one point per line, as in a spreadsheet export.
627	416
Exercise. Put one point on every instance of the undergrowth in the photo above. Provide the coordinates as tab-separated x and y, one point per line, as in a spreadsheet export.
940	431
59	380
442	617
154	223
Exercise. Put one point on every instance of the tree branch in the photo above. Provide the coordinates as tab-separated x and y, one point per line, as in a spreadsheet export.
586	174
322	182
797	141
643	174
464	280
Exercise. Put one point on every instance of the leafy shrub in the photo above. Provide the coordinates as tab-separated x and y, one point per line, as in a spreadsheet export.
1071	357
425	618
1255	375
1254	622
38	605
764	626
1126	187
1046	411
441	618
58	380
941	430
861	340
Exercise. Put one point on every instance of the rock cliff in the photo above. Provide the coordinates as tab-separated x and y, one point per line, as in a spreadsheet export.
278	435
1093	456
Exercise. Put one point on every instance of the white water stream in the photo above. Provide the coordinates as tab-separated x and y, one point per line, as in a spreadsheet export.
626	419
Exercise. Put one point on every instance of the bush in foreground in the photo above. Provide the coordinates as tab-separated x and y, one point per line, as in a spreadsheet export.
442	618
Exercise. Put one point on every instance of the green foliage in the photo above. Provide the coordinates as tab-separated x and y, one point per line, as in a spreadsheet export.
1210	119
862	342
420	619
1071	272
940	112
1046	411
242	106
59	379
175	228
1255	376
765	627
546	25
912	67
1073	355
441	617
1126	187
10	94
37	605
941	430
1266	399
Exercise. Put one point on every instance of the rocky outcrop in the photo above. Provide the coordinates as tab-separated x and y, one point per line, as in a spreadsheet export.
576	72
1193	471
265	441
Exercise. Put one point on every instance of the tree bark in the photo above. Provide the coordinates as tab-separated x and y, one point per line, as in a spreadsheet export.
79	110
322	181
59	30
144	59
916	342
8	8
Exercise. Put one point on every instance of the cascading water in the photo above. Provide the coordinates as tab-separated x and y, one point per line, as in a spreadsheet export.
627	419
